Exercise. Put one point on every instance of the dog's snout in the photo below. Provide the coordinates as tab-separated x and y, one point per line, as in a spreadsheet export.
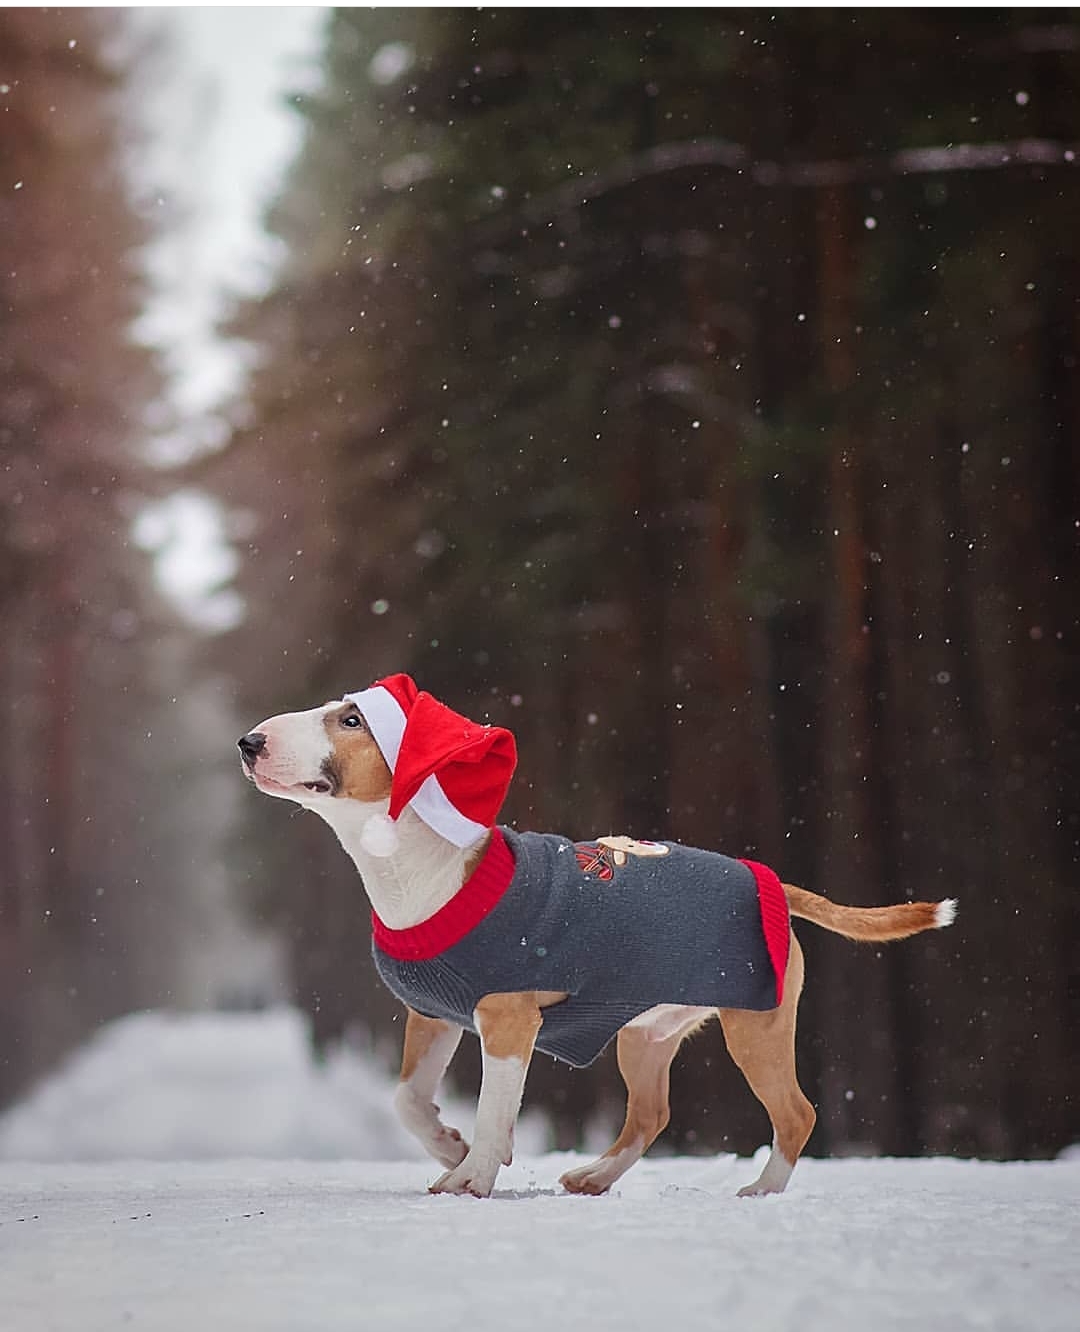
251	746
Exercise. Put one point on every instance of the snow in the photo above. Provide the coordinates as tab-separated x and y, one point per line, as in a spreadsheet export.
93	1239
874	1245
171	1086
167	1086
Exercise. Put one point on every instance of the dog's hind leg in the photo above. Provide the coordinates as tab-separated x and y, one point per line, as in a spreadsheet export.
429	1047
646	1048
763	1046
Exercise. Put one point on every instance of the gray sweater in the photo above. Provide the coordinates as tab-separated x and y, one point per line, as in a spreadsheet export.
617	932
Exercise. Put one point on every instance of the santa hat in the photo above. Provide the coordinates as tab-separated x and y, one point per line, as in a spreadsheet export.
451	771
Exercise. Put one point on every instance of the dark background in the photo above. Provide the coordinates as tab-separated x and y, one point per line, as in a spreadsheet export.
695	392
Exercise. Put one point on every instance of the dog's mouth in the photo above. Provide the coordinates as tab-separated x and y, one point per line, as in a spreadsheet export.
323	785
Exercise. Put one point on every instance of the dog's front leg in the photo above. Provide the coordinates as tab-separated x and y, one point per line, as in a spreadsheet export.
507	1024
429	1047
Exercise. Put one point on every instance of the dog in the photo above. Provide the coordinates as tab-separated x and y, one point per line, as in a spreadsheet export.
533	941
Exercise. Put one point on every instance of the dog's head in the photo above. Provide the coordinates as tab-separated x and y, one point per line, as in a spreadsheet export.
315	757
392	744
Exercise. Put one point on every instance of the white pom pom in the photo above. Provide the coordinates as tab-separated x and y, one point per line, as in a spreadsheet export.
378	836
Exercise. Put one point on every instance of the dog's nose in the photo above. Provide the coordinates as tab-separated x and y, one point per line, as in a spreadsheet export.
251	746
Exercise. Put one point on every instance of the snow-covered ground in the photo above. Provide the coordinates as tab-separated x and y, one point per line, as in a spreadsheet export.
89	1242
316	1247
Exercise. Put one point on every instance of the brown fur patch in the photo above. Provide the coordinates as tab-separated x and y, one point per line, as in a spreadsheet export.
358	766
421	1033
508	1024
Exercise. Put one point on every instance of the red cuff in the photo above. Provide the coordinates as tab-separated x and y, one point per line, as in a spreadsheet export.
775	920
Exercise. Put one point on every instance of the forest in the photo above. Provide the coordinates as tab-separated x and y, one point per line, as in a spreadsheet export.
693	392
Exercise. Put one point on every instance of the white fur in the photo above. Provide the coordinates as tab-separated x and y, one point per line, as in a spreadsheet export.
945	913
297	745
773	1179
421	874
665	1020
493	1143
414	1101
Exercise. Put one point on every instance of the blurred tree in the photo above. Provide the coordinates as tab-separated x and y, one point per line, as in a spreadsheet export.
651	383
72	389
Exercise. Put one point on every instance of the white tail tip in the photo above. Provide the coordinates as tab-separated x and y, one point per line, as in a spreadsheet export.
945	913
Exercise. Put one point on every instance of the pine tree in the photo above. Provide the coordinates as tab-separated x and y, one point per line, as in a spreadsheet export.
619	387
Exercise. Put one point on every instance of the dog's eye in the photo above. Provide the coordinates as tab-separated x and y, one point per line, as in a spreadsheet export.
353	721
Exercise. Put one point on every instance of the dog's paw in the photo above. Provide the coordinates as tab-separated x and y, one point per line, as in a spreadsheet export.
773	1179
421	1117
475	1175
592	1179
575	1181
447	1146
754	1191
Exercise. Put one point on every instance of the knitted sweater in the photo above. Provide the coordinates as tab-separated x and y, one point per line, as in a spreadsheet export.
618	926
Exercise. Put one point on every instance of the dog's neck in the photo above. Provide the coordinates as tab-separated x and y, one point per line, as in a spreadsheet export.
421	875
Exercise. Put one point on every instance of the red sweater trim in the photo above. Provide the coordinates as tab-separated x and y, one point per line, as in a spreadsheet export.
775	920
478	895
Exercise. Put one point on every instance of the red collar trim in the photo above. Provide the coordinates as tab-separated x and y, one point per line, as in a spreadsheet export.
478	895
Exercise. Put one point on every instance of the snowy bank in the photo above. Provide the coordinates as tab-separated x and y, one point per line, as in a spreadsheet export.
197	1086
183	1086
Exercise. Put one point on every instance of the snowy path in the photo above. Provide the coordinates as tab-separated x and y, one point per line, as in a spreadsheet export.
316	1247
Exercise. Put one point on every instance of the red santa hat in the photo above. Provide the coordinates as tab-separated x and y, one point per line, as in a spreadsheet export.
451	771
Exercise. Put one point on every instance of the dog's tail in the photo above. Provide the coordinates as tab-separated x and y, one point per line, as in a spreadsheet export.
870	924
